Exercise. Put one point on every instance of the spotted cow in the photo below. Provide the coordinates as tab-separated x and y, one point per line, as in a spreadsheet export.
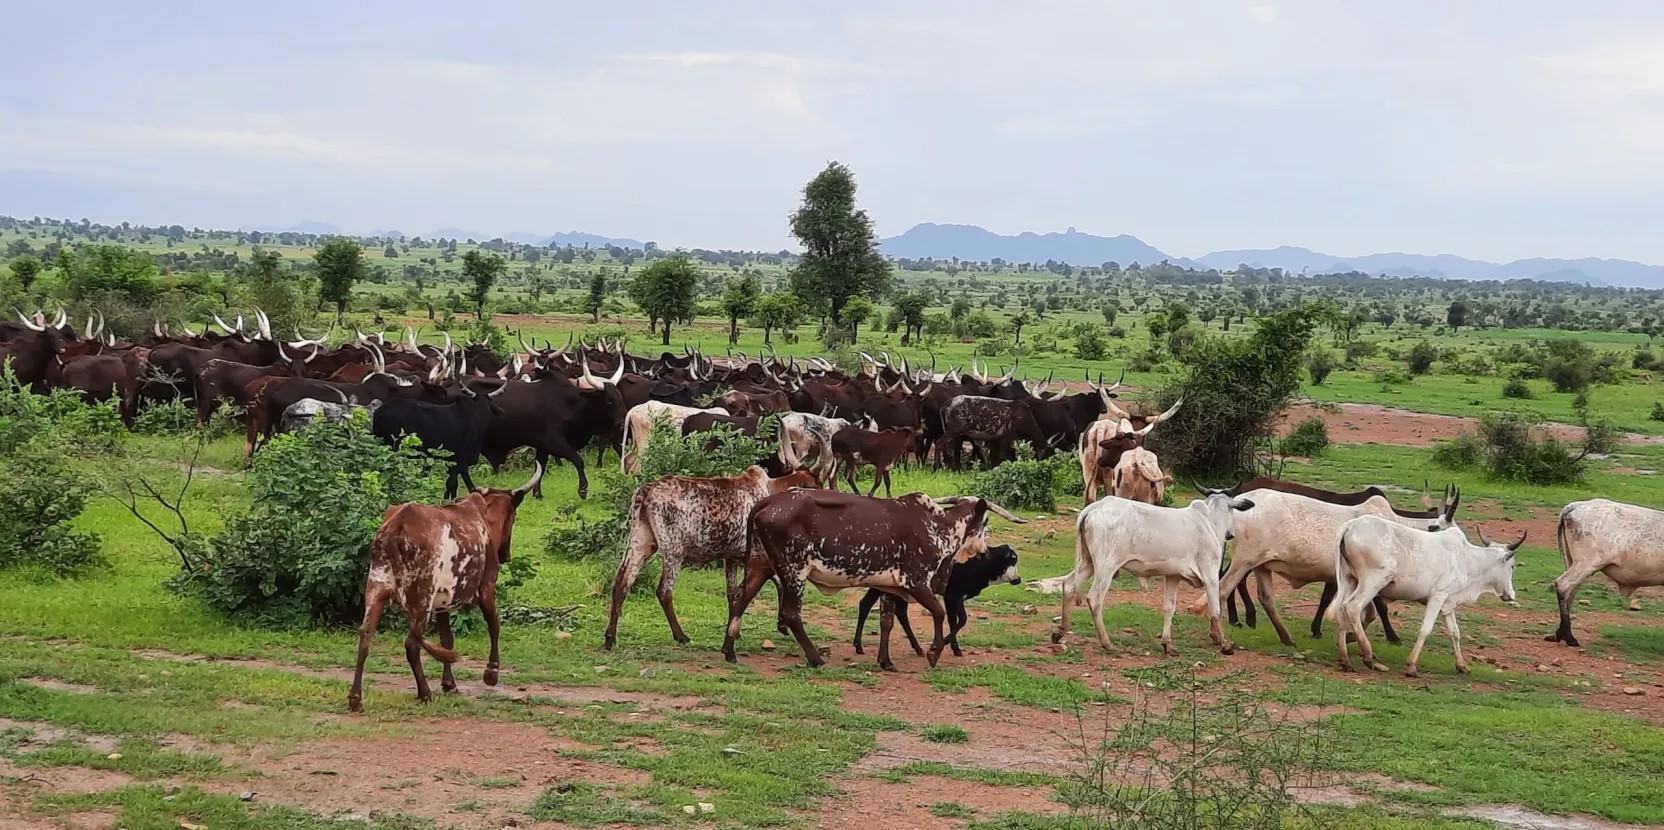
834	541
691	521
431	560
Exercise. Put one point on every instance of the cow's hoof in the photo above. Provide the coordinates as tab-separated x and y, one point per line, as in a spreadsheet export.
956	652
447	688
730	658
887	666
1228	648
607	644
684	640
1412	672
355	703
1572	641
932	657
1168	651
1057	636
1461	668
427	698
1552	638
1348	668
859	650
490	677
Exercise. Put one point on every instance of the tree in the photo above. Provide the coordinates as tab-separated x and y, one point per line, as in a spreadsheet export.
1456	315
597	296
856	312
778	310
340	263
483	269
1017	323
740	300
665	291
840	257
1111	310
26	268
910	308
961	306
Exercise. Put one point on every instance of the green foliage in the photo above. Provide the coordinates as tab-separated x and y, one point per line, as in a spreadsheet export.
492	335
1421	357
340	265
1571	365
739	302
1517	388
778	310
273	289
116	270
597	296
910	312
840	257
945	734
1657	413
1233	388
1319	364
665	290
1512	446
1309	438
26	268
482	270
171	417
1091	344
1025	482
299	555
43	483
857	311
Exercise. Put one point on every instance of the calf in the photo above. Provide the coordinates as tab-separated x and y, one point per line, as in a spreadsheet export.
691	521
852	447
1617	539
1179	544
431	560
966	580
1138	477
834	541
1381	558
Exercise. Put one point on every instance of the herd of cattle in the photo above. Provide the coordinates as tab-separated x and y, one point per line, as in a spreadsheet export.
775	523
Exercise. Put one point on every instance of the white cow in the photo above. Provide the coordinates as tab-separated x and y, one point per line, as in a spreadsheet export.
1294	537
1617	539
1180	544
806	441
1378	557
638	428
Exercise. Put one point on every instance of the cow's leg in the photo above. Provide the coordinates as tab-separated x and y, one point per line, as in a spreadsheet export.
442	621
791	613
450	485
1095	597
886	623
1343	620
1380	606
636	554
1216	631
906	625
1170	604
757	572
375	599
1262	585
493	627
886	473
877	479
465	470
413	654
923	596
1455	632
670	566
861	613
849	475
1565	589
1323	602
956	620
1435	604
1249	616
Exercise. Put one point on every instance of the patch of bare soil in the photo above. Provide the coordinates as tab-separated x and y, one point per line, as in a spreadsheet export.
871	802
1364	423
61	686
21	823
896	749
66	779
445	765
43	734
1515	817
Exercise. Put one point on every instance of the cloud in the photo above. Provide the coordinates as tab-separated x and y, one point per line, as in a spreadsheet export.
1263	13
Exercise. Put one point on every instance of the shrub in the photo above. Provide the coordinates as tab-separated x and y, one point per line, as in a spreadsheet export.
1117	332
1599	436
165	418
1358	350
300	553
1421	357
1024	483
1319	364
1091	344
1657	411
1510	446
1463	452
44	481
1642	359
945	734
1309	438
1568	375
1517	388
1391	377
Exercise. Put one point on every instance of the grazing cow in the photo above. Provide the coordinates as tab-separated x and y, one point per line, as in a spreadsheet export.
1138	476
994	420
638	428
835	541
431	560
1378	557
806	441
101	377
967	579
1294	537
755	403
691	521
853	447
1180	544
1105	439
1617	539
458	427
305	411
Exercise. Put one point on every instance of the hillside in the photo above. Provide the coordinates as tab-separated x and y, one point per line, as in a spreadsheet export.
975	243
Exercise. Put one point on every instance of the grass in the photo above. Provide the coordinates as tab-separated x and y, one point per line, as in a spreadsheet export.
945	734
950	809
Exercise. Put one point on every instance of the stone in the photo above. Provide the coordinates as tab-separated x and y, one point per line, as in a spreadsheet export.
768	645
707	807
563	635
248	795
1634	690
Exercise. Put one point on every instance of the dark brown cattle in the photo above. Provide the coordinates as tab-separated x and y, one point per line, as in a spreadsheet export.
432	560
854	447
101	378
835	541
691	521
755	403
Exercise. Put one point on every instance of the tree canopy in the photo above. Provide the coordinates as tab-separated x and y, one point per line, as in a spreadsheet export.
482	269
840	256
665	291
740	300
340	264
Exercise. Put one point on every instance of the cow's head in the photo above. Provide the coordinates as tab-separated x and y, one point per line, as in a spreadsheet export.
1221	509
966	518
500	507
800	477
1498	565
1002	561
1135	426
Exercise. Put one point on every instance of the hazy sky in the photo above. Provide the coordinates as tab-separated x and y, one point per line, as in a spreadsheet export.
1491	129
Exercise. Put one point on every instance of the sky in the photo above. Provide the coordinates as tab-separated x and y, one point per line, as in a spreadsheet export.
1496	130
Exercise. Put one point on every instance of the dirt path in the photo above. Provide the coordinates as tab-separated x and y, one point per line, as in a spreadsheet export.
1364	423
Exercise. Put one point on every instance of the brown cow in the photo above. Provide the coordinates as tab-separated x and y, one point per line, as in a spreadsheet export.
882	450
691	521
431	560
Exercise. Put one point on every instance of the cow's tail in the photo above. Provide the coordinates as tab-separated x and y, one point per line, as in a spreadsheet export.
788	456
1343	580
1560	536
624	447
440	653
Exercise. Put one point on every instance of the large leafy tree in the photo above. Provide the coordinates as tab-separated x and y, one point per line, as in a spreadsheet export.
840	252
665	291
910	308
778	310
1457	315
740	300
858	311
597	297
340	264
482	269
26	268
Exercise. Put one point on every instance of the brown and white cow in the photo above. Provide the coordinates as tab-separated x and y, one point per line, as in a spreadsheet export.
1609	537
1138	476
904	547
431	560
1109	437
690	520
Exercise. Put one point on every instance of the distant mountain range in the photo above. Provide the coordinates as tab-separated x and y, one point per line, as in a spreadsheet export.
975	243
576	239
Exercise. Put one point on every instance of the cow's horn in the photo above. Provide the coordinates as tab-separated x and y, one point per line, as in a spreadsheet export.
265	324
618	374
1480	530
537	475
63	319
1517	542
33	326
1165	415
1003	513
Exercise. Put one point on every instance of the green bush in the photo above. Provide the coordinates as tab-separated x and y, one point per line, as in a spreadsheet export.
1642	359
1391	377
165	418
1421	357
299	555
1517	388
1599	436
1657	411
1319	364
1465	451
1091	344
1309	438
1510	446
45	477
1023	483
1358	350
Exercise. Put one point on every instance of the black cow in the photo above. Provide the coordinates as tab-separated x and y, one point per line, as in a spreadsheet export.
993	420
458	427
555	418
966	580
